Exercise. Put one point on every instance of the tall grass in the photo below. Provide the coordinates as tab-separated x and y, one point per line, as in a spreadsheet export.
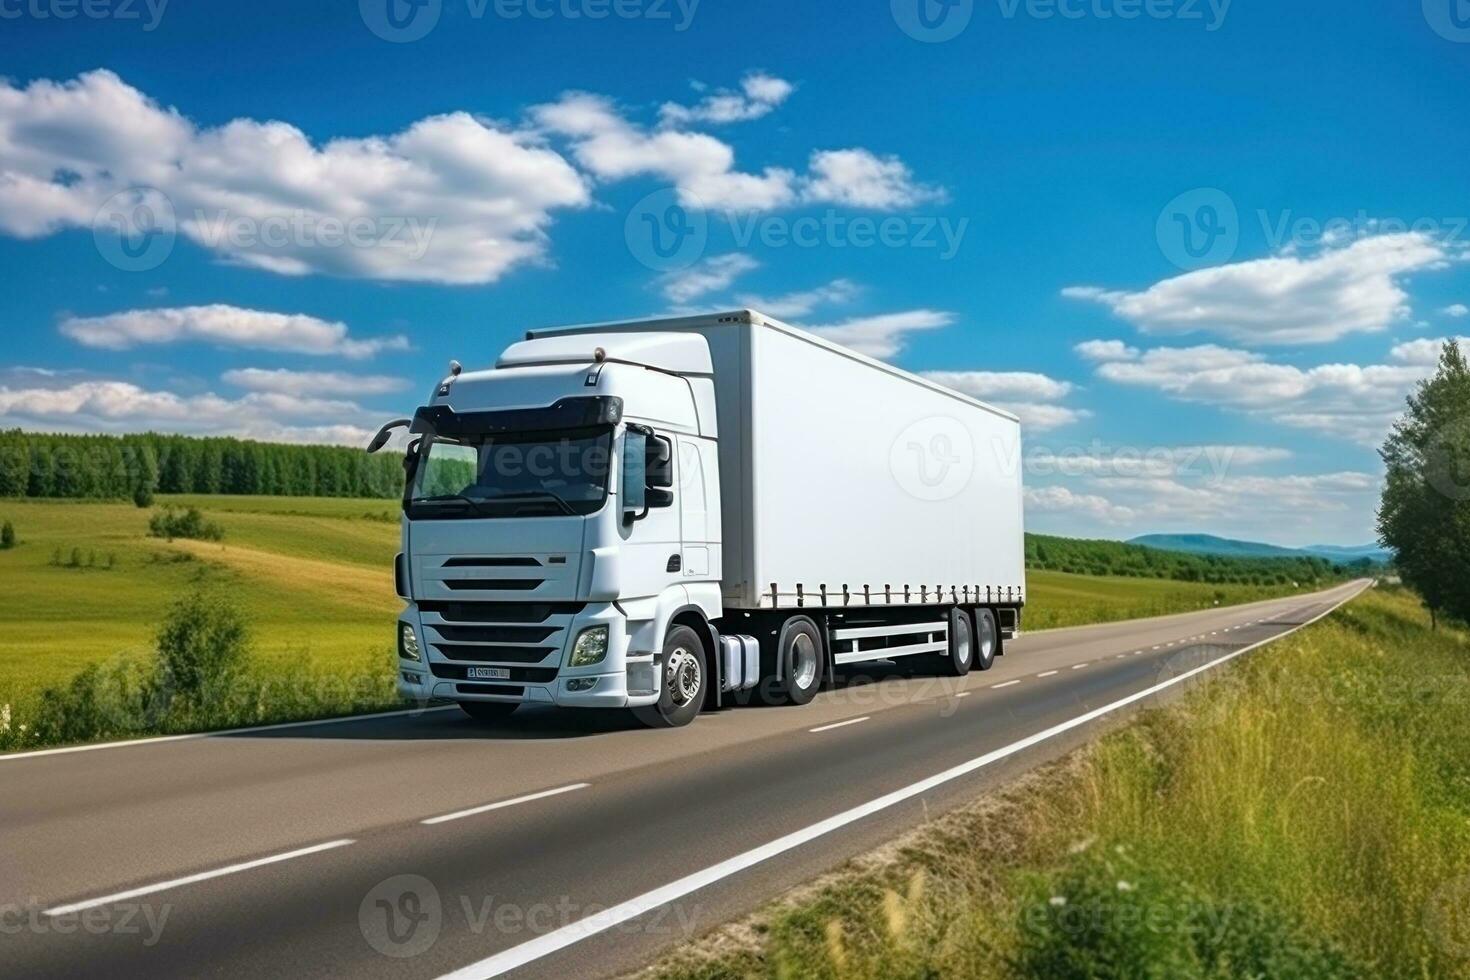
1313	823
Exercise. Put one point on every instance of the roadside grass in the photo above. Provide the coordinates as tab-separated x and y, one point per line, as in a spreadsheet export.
1058	599
1306	813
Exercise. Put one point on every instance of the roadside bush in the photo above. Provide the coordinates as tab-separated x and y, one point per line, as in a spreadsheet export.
7	536
202	648
173	523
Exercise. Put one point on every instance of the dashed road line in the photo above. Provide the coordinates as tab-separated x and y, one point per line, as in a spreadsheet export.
838	724
501	805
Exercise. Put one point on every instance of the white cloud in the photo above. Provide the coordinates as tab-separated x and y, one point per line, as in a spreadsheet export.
859	178
1029	395
883	335
790	305
1284	299
452	198
1349	401
759	94
698	165
318	383
1211	463
1105	350
1060	500
1456	310
227	326
1424	352
119	406
709	275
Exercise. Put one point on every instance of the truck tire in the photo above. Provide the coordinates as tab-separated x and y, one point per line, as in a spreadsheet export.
686	677
799	659
961	656
987	638
488	711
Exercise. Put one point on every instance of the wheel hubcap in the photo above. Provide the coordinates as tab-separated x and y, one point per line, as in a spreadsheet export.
803	661
683	677
987	634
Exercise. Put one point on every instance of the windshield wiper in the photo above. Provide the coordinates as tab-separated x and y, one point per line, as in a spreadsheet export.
546	495
449	498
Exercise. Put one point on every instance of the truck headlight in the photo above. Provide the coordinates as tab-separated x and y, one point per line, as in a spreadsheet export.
408	642
591	647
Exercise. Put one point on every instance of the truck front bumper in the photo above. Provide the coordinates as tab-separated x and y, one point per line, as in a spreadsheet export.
620	680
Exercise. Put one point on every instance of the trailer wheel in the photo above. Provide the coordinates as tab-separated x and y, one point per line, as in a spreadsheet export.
685	680
987	638
489	710
961	656
799	656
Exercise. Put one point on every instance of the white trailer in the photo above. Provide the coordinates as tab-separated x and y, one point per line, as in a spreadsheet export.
770	508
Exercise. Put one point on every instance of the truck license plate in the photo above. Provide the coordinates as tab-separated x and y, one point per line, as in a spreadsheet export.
487	673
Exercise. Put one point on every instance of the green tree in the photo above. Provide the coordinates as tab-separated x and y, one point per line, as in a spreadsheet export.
7	536
1424	515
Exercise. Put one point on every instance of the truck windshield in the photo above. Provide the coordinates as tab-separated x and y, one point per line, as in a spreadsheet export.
530	474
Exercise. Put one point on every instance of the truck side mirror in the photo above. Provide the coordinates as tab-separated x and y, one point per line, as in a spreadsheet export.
385	433
635	475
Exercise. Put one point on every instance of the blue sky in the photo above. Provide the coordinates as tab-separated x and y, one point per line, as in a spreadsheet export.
1108	215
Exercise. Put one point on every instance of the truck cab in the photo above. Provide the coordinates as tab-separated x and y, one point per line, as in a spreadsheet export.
561	513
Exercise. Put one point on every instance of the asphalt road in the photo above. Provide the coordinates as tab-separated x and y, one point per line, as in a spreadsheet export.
552	846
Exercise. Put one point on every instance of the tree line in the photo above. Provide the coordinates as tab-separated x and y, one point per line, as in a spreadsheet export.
1083	557
103	467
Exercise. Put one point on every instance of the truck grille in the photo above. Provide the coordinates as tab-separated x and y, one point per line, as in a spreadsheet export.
527	637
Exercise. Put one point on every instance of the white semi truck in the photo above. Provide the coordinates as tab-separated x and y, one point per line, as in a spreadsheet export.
660	515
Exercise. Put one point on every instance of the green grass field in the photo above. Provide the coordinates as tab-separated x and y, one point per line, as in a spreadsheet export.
314	577
1306	814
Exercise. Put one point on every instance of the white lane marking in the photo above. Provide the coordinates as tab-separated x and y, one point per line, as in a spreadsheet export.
190	736
1138	653
1121	656
1156	646
1046	673
568	935
92	903
1006	684
503	804
963	694
1078	666
838	724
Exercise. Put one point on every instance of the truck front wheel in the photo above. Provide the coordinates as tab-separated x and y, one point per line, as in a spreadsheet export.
685	677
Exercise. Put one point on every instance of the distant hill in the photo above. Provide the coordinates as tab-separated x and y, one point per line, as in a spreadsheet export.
1209	544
